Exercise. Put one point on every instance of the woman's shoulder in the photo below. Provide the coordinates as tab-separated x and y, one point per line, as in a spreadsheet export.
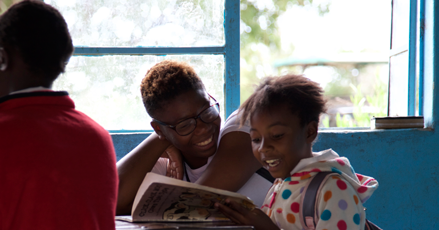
232	124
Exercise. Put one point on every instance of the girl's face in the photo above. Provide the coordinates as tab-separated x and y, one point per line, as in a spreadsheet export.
199	145
279	142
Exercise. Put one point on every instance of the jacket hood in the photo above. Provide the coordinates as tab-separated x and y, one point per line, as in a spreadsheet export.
330	161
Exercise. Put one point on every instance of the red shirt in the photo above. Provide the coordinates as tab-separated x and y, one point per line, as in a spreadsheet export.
57	166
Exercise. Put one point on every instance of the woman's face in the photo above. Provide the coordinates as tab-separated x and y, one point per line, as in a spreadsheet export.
199	145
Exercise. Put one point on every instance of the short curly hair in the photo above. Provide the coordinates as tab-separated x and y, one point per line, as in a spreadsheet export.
40	35
165	81
303	97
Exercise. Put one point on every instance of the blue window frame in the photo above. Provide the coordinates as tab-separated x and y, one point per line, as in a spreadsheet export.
411	16
230	50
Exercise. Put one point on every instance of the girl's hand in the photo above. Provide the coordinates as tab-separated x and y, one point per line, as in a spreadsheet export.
174	168
240	215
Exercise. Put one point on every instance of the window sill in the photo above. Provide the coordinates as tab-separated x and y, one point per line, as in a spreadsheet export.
123	131
368	130
321	130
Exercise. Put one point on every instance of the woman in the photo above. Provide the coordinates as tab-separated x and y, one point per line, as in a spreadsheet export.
187	126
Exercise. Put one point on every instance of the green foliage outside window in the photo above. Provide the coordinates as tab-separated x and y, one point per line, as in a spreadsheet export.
258	31
261	45
5	4
378	101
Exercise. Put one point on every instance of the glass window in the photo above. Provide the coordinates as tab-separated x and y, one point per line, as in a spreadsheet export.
113	40
143	23
400	24
405	73
398	88
341	44
107	88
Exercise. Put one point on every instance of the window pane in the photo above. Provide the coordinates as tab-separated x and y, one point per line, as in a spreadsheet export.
143	23
341	44
107	88
400	24
398	89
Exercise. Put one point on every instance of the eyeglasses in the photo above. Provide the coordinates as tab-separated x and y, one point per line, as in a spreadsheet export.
187	126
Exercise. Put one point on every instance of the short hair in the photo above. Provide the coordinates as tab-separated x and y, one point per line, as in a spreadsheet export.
40	35
303	97
165	81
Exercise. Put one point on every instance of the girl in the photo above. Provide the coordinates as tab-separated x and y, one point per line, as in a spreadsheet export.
186	121
284	115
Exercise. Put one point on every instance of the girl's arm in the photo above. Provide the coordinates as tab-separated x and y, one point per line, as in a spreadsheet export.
256	217
133	167
232	165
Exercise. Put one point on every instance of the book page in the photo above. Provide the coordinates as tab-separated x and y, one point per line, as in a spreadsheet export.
168	199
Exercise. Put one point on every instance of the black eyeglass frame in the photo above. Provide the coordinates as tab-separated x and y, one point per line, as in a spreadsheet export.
174	127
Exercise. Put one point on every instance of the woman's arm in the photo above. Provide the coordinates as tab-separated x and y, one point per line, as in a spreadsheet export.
133	167
232	165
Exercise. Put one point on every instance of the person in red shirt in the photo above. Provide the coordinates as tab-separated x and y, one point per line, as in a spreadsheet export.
57	166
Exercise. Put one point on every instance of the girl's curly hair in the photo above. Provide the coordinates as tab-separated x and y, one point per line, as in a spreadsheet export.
165	81
303	97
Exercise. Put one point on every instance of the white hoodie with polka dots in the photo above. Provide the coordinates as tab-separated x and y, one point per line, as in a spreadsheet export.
340	200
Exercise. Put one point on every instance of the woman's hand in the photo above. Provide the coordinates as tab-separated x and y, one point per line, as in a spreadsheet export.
175	166
240	215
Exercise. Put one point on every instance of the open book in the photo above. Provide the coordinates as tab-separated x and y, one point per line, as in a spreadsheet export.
162	199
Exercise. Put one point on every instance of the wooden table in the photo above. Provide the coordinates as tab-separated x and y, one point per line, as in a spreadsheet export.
122	225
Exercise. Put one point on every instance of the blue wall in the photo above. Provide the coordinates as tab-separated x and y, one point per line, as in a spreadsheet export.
124	143
405	162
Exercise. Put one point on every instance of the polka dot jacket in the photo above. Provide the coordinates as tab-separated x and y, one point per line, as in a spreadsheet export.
339	202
